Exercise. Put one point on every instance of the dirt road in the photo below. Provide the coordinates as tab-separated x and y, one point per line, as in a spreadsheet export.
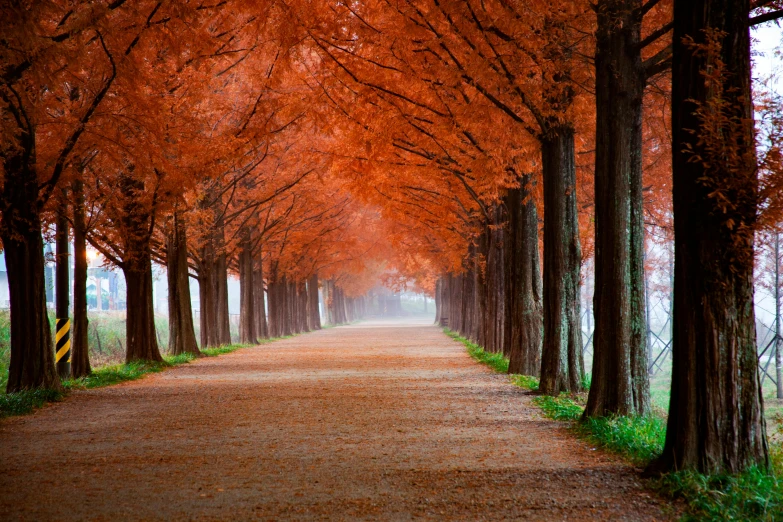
375	421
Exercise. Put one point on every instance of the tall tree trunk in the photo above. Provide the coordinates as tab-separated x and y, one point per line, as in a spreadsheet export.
325	300
716	420
220	273
454	294
285	308
208	316
445	302
470	302
562	366
463	295
62	328
524	308
272	303
142	341
259	306
438	306
182	336
620	383
80	350
491	316
481	325
312	292
497	279
206	298
337	305
32	356
296	308
247	300
304	318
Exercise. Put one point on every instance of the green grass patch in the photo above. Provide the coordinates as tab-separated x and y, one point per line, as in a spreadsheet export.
754	494
527	382
496	361
116	374
182	358
640	439
227	348
25	401
559	408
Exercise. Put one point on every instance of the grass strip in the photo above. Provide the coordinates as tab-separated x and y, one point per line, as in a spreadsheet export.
755	494
496	361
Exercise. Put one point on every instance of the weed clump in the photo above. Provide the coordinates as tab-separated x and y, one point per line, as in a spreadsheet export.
25	401
754	494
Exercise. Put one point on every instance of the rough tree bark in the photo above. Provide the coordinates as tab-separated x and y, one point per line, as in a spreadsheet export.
32	356
481	300
445	302
562	367
213	284
620	383
207	316
273	323
524	296
469	297
142	341
287	307
438	286
220	273
716	420
259	306
138	222
247	301
80	351
454	296
182	336
312	296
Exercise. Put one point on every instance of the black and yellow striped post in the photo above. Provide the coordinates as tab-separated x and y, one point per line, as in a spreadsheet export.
62	335
63	345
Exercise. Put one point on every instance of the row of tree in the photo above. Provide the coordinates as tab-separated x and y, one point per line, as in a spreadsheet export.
132	128
492	112
438	142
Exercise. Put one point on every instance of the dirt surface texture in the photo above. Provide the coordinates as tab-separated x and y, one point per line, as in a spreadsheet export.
381	420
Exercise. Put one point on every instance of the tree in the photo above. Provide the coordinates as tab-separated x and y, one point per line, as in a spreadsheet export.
182	337
620	383
40	35
525	321
715	414
80	352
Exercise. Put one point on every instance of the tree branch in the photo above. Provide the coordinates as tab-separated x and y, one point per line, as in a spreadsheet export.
766	17
656	34
48	187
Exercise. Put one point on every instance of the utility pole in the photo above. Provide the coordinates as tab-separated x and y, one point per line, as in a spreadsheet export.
62	297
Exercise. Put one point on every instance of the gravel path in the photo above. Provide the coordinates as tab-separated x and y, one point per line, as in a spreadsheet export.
375	421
